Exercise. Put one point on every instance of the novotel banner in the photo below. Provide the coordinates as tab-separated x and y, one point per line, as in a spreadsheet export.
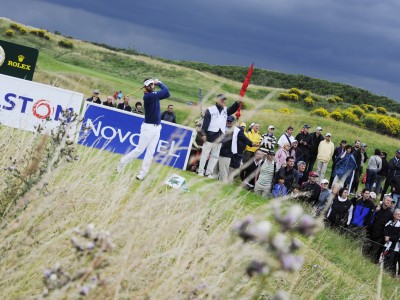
118	131
26	104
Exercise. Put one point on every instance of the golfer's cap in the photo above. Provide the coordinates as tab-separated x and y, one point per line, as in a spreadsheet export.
148	82
96	92
221	96
319	128
271	127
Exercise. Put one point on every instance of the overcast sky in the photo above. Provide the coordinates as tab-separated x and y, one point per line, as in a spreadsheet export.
349	41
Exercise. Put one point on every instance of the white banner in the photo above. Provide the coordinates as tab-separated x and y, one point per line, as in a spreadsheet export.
25	104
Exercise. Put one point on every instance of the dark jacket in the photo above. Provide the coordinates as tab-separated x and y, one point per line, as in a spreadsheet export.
315	140
395	184
213	136
381	217
385	167
124	107
249	173
168	116
339	212
291	177
226	148
313	190
151	101
110	104
394	167
90	99
392	232
358	157
363	212
301	138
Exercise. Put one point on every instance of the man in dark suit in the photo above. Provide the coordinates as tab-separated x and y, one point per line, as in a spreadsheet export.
125	105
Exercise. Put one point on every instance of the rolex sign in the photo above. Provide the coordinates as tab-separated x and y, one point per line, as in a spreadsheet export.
17	60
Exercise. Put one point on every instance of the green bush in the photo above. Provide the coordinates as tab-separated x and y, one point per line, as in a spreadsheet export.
381	110
47	37
320	111
371	121
286	110
331	100
9	32
336	115
338	99
305	94
23	30
66	44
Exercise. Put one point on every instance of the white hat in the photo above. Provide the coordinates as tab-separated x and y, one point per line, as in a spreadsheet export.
328	134
324	181
271	127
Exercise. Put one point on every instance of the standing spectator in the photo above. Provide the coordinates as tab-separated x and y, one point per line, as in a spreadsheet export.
213	129
394	169
304	140
301	172
169	114
150	129
109	101
287	137
248	174
293	150
232	135
312	189
361	156
236	158
280	189
254	136
324	196
380	177
95	97
265	176
374	166
289	173
345	166
336	154
316	138
138	108
340	211
281	155
392	236
268	140
125	104
363	213
372	246
325	152
395	184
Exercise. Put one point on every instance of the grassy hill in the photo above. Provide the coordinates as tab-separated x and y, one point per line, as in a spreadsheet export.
168	244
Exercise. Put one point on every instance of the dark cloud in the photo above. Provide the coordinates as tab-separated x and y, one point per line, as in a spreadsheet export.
350	41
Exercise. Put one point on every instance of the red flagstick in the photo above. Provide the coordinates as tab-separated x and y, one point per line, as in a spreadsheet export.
244	88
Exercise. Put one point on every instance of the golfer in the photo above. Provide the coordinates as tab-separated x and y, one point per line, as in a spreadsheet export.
150	129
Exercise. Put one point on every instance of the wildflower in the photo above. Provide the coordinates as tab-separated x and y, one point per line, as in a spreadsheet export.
256	267
290	262
306	225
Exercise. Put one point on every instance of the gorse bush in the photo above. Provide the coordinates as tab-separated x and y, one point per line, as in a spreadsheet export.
309	101
288	97
66	44
350	117
336	115
357	110
286	110
320	111
381	110
9	32
294	91
367	107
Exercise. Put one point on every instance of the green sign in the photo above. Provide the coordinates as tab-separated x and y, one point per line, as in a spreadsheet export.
17	60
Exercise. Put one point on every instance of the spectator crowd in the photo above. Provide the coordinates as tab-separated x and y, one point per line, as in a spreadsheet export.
297	164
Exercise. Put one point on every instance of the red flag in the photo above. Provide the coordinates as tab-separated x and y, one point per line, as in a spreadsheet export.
244	88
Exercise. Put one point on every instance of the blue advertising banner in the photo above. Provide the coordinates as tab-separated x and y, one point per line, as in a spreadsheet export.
118	131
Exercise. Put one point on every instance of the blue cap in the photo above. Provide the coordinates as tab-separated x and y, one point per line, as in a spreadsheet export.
230	119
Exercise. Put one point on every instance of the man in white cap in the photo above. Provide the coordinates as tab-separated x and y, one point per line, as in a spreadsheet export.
150	129
213	129
325	153
95	97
